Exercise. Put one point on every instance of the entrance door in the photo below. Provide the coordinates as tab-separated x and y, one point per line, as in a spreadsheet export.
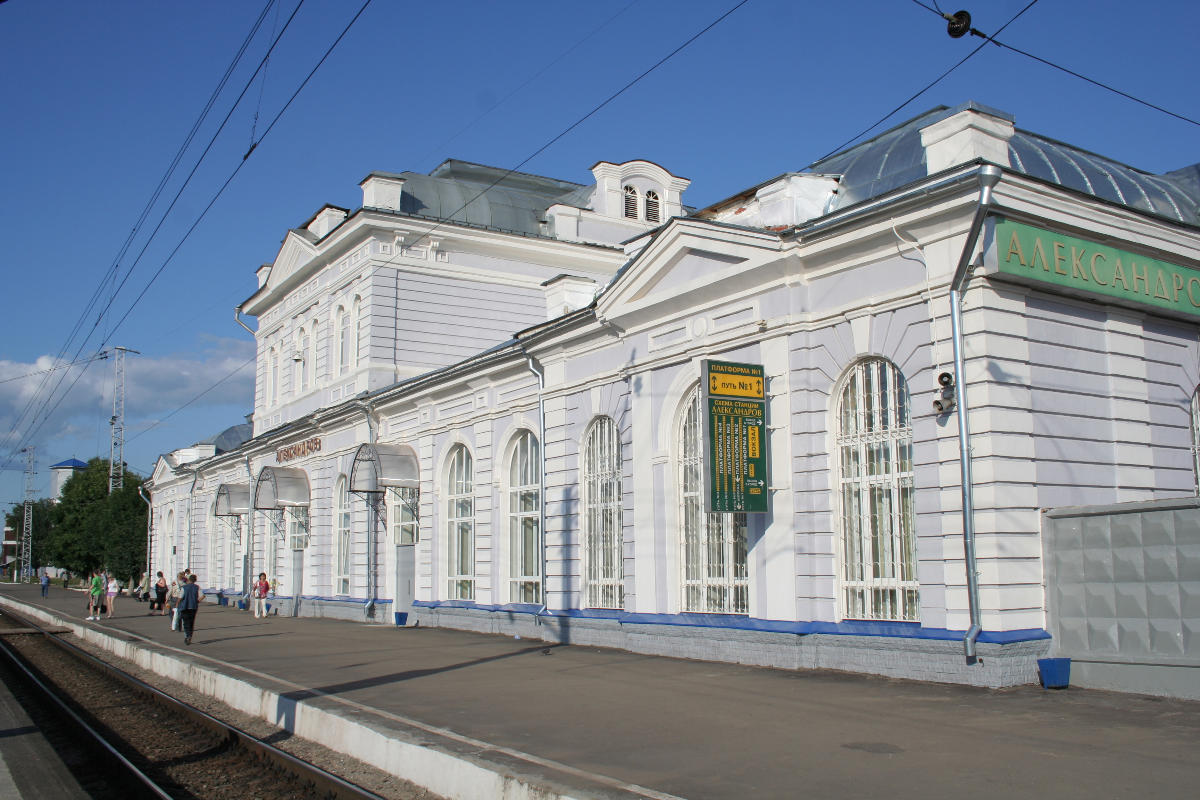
298	539
406	532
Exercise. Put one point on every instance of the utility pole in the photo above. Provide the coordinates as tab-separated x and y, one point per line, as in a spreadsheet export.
116	451
26	557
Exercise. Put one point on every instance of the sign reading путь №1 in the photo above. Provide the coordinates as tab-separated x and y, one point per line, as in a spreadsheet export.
735	453
1031	254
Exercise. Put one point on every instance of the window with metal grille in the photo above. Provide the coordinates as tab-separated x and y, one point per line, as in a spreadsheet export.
341	517
603	565
631	202
460	525
873	450
1196	437
404	516
524	520
715	575
652	207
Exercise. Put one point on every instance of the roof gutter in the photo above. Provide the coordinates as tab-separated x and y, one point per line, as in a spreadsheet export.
989	176
237	317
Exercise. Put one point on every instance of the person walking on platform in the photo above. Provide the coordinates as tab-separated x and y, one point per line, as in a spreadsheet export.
173	600
114	589
160	595
189	603
259	595
95	595
45	581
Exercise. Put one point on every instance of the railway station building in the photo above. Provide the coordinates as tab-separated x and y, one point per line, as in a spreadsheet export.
484	401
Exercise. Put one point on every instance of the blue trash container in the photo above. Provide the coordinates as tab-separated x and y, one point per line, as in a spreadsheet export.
1055	672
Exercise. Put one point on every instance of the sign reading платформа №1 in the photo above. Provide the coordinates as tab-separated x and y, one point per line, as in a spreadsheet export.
735	458
1030	254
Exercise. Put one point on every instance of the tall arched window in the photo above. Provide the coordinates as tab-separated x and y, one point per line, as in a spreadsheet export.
873	445
1196	437
524	517
233	537
652	207
343	341
460	525
604	582
341	519
715	575
168	543
631	202
212	539
360	333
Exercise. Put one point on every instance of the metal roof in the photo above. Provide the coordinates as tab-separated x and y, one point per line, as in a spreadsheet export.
70	463
896	158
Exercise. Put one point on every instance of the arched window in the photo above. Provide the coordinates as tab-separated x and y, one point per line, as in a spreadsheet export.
233	536
715	574
873	446
341	519
460	525
604	583
1196	437
343	341
524	517
652	207
168	544
631	202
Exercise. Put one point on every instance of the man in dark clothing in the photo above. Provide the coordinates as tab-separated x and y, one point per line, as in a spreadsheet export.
189	602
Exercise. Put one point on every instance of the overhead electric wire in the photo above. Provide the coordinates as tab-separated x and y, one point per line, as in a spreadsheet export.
96	357
213	201
111	273
928	86
163	419
1067	70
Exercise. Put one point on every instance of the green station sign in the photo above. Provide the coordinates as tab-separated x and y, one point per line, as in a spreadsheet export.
1030	254
735	437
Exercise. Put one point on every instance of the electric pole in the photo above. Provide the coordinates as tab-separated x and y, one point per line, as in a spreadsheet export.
116	450
26	557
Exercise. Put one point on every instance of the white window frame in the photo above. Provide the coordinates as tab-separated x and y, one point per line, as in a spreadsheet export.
360	333
303	346
406	527
341	537
460	524
653	206
275	517
631	203
344	326
524	520
873	481
603	549
232	541
714	547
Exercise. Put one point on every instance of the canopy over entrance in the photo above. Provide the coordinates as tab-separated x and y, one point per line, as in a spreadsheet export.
378	467
233	499
281	487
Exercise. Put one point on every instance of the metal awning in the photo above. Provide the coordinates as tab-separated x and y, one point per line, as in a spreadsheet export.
233	499
384	466
281	487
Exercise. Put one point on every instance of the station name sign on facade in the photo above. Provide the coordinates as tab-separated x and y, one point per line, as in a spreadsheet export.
735	452
298	450
1030	254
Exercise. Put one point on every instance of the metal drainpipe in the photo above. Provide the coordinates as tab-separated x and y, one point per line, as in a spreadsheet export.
149	527
191	520
372	523
237	317
541	376
989	176
249	568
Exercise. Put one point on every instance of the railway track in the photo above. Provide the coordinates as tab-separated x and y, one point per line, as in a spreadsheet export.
124	738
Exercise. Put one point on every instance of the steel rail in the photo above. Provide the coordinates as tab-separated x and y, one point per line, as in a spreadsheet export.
326	784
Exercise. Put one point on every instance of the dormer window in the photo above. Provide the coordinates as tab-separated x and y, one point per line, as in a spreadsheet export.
631	202
652	212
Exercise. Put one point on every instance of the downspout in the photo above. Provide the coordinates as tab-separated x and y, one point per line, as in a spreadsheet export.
237	317
248	569
531	362
191	518
989	176
149	527
372	522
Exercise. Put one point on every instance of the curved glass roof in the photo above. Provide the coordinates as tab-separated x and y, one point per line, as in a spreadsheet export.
896	158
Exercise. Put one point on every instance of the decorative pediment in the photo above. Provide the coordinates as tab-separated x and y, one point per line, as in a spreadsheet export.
293	255
690	261
163	470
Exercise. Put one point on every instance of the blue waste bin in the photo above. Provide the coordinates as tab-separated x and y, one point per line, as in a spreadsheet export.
1055	672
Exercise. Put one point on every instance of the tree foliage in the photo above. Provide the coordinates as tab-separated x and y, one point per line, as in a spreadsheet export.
91	529
15	519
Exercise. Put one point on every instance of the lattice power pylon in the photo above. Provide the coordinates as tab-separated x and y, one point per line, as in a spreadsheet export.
116	451
26	557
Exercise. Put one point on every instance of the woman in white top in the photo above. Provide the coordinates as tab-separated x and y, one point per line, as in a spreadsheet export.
114	589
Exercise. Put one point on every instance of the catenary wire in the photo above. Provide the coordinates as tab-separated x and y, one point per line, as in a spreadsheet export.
111	273
1067	70
96	357
166	417
927	87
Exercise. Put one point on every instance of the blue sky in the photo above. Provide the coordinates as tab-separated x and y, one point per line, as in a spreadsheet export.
97	98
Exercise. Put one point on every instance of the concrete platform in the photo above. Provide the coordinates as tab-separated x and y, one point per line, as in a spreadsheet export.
476	716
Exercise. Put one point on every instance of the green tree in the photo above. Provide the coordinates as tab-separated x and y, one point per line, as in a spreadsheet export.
91	529
42	512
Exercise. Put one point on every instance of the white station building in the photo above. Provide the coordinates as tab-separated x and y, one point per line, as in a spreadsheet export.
479	405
